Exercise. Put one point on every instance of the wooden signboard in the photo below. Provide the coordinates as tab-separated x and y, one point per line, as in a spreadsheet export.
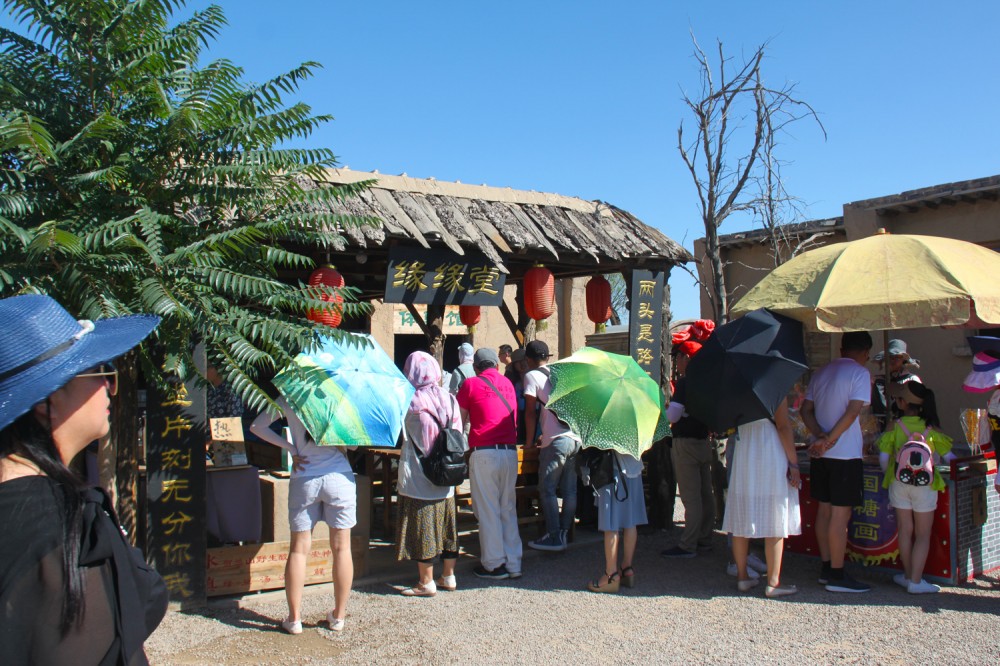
241	569
418	275
228	448
646	320
175	494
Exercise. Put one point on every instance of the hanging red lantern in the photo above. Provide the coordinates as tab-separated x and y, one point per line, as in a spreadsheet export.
598	300
539	293
469	314
330	277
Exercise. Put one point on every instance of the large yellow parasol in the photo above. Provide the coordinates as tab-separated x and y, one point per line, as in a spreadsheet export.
884	282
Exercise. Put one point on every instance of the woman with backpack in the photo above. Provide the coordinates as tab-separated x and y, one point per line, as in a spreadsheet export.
909	450
427	525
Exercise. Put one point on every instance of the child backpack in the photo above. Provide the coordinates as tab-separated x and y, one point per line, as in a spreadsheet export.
915	460
445	464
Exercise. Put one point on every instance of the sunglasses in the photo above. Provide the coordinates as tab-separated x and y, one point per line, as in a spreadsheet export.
107	371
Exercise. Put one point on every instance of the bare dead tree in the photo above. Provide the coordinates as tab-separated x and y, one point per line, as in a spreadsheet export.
737	116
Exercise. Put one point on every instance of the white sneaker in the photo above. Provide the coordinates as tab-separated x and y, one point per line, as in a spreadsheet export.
756	563
335	624
294	627
751	572
901	580
923	587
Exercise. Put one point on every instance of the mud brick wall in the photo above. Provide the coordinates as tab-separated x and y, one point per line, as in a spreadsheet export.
977	546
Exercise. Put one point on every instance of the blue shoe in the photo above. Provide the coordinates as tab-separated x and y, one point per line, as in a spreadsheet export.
549	542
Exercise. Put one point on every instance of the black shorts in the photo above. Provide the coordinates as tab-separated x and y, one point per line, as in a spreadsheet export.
836	482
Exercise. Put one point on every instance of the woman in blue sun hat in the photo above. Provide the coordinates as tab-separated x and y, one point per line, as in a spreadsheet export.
72	589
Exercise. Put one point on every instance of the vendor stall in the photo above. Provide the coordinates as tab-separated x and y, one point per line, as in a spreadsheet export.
965	537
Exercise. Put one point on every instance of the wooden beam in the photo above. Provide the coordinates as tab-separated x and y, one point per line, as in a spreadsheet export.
511	324
419	319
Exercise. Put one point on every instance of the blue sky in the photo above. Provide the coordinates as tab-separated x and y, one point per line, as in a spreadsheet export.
583	97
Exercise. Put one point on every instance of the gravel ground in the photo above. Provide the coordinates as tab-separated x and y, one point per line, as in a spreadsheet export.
681	611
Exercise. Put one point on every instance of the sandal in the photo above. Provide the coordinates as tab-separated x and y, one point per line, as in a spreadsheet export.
428	590
610	587
628	577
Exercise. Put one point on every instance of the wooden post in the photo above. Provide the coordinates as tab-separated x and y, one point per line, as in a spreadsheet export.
435	332
123	446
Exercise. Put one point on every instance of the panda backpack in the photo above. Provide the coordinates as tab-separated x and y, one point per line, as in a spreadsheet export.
915	460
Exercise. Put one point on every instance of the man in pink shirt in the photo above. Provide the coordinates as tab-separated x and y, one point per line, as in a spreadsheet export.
489	406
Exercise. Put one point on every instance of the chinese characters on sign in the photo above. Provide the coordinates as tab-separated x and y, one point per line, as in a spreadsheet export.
646	320
417	275
403	322
175	490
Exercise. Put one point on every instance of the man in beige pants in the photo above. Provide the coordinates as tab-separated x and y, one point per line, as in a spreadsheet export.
691	454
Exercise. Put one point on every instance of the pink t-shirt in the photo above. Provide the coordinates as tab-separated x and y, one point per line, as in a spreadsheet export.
490	422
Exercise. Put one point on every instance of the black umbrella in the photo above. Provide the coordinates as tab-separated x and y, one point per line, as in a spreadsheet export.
744	370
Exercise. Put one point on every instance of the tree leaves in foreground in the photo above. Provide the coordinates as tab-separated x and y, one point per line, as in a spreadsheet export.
134	181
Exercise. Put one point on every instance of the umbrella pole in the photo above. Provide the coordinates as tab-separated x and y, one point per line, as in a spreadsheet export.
885	375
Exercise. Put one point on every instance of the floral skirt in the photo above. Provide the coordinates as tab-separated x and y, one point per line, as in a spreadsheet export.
425	528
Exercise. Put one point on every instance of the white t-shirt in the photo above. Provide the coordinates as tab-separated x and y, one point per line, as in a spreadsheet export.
323	460
538	385
832	387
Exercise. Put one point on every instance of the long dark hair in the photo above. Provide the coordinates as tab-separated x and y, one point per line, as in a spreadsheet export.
927	410
31	440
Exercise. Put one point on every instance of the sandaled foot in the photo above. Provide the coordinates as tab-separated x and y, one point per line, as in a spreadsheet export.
448	583
747	585
610	587
428	590
628	577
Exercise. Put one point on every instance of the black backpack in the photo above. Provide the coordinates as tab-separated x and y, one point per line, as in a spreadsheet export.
598	468
445	464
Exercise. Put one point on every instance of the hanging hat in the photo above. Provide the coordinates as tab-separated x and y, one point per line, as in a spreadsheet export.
42	347
985	375
985	344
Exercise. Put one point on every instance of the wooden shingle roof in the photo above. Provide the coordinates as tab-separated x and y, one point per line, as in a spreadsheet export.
514	228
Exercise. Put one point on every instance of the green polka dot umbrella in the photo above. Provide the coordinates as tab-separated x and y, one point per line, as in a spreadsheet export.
608	400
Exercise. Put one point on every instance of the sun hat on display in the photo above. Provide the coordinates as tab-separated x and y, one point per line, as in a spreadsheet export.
43	347
985	374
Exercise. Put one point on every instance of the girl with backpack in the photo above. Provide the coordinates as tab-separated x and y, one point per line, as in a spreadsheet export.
909	450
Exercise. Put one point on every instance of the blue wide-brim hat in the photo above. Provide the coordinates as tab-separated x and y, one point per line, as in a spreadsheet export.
42	347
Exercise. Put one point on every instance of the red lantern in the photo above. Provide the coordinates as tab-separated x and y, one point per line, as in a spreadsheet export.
598	300
330	277
539	293
469	314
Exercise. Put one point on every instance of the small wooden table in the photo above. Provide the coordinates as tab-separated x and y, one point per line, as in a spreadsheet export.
380	469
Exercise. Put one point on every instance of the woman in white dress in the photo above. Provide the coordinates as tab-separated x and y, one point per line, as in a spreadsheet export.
764	497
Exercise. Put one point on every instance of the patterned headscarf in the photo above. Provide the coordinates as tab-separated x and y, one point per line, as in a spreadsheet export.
424	373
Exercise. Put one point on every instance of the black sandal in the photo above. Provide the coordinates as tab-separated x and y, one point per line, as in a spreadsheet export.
610	587
629	579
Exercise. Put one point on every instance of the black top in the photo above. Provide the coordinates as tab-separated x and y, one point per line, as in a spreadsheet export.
687	427
124	598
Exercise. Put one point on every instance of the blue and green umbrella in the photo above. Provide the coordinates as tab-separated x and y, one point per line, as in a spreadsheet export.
348	392
608	400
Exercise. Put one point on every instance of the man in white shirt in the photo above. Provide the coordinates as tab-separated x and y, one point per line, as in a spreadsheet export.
835	397
559	446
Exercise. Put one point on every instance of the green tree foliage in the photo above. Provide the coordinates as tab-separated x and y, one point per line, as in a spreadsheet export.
132	180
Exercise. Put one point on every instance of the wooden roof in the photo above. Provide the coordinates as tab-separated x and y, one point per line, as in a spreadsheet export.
514	228
949	194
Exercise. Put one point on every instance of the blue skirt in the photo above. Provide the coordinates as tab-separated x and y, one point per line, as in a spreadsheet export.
614	514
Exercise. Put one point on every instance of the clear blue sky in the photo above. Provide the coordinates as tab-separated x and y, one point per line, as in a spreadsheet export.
583	97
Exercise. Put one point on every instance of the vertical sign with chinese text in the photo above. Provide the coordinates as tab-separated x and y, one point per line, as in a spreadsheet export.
646	320
418	275
175	492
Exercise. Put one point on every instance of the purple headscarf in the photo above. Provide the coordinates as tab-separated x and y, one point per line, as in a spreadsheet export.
424	373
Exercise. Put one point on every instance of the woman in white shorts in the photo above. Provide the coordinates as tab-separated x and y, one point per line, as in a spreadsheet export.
322	488
914	505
